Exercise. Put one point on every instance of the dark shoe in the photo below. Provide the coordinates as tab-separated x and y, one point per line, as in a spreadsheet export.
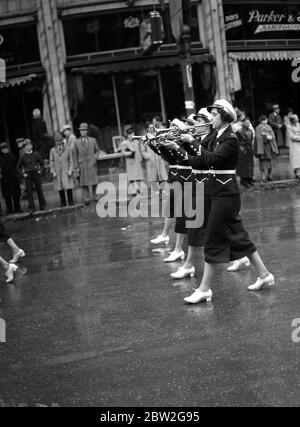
63	205
269	179
71	204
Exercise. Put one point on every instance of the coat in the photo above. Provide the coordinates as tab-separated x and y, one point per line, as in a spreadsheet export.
85	157
294	136
276	123
134	164
61	163
265	142
9	176
157	169
245	167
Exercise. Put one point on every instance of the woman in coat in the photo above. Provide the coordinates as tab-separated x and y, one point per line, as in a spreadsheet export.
61	168
266	148
294	138
225	237
9	180
134	163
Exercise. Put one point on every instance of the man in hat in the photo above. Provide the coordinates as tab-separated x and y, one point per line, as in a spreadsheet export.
85	158
277	124
61	167
69	136
30	165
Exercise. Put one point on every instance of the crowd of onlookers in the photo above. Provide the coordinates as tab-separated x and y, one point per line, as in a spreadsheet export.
72	161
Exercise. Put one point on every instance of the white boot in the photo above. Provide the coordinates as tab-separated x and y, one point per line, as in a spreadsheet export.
181	273
160	239
17	256
10	273
260	283
199	296
175	256
239	264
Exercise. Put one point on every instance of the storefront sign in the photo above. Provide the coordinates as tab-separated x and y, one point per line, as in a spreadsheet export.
1	39
261	21
2	71
296	72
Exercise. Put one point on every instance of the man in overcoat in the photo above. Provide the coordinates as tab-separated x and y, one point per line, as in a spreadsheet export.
86	152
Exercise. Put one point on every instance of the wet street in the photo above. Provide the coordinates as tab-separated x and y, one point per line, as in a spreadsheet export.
94	319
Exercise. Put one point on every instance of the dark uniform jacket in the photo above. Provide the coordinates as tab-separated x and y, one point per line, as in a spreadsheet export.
216	154
30	162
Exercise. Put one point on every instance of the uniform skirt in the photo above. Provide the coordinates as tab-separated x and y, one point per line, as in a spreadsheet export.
225	236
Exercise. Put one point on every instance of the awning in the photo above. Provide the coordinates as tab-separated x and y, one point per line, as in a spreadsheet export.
139	64
283	55
17	81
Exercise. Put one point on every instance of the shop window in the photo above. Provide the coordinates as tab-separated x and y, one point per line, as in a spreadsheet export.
113	31
19	45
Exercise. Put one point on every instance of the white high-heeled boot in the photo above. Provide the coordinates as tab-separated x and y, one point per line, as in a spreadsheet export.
260	283
10	273
175	256
239	264
181	273
199	296
17	256
160	239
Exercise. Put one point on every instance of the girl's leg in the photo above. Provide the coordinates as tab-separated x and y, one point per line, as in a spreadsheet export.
167	227
259	265
208	275
4	263
179	243
14	247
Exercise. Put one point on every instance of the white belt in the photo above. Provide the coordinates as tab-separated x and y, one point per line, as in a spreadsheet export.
189	168
214	172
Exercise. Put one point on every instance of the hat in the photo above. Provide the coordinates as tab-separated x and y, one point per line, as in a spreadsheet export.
275	106
20	141
205	114
3	145
224	105
190	119
295	117
27	141
83	126
66	127
129	130
58	137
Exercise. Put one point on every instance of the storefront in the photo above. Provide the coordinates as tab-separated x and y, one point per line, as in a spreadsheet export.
263	38
112	85
22	90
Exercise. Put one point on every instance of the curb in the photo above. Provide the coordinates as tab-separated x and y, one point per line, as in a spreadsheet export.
40	214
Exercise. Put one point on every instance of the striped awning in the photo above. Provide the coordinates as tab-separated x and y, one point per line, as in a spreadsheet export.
282	55
17	81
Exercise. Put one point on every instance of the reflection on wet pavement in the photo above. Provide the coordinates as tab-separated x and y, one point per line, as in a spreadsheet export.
95	319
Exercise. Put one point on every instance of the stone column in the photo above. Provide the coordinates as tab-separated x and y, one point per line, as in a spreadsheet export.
216	41
53	59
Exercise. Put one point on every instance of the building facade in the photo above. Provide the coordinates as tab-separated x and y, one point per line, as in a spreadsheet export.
82	61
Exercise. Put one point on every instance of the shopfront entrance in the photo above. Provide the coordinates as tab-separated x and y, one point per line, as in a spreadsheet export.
265	83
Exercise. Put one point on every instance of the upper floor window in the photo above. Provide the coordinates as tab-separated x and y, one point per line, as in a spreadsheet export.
19	45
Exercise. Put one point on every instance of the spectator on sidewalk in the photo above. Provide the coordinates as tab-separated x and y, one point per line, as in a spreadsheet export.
30	165
266	148
39	132
9	180
70	138
277	124
61	168
85	156
245	167
134	162
287	124
294	136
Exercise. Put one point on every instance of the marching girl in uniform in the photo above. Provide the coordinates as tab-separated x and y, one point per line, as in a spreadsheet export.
195	235
225	237
178	253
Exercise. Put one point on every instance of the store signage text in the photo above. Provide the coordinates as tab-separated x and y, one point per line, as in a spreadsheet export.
296	72
2	331
274	21
1	39
233	21
2	71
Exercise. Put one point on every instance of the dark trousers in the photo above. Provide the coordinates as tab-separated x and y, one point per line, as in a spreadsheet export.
62	195
4	236
12	204
35	178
